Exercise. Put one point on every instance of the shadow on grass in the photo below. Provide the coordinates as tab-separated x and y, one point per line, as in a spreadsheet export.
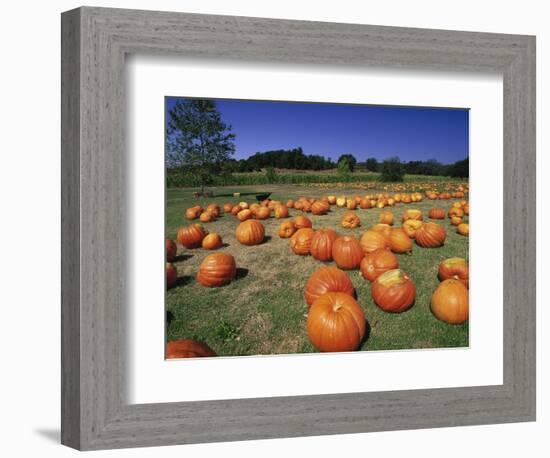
183	280
241	273
367	334
169	317
182	257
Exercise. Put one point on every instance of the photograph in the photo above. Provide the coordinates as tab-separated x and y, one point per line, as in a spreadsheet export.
303	227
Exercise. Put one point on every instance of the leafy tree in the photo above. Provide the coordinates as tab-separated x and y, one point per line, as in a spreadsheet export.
460	169
271	175
392	170
350	158
343	168
197	140
371	164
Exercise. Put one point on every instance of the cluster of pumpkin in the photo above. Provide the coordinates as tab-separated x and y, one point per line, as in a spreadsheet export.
335	320
438	188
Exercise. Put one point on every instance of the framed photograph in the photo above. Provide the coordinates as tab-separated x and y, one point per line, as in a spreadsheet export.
266	228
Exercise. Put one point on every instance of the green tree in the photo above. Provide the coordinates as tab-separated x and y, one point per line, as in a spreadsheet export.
392	170
343	168
371	164
197	140
271	175
350	158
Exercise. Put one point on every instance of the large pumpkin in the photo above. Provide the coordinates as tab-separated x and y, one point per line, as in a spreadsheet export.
250	232
350	220
281	211
393	291
399	241
300	242
191	236
263	213
302	221
431	235
187	348
193	212
436	213
377	262
386	218
245	214
371	240
450	302
321	244
382	228
463	229
212	241
171	250
411	226
319	207
171	275
336	322
286	229
413	214
217	269
455	268
326	280
347	252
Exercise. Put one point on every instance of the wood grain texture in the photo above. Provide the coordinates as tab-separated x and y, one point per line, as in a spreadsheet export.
95	413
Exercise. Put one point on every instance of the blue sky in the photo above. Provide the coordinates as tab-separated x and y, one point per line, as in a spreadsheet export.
412	133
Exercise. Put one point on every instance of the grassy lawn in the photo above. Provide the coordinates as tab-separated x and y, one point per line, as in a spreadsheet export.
263	311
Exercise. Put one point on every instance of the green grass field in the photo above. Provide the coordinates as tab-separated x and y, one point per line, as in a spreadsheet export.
263	311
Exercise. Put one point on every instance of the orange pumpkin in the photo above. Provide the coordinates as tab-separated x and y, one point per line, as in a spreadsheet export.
302	221
377	262
336	322
286	229
217	269
347	252
456	220
245	214
171	250
365	203
171	275
331	200
351	204
191	236
399	241
411	226
212	241
381	228
263	213
227	208
319	208
455	268
300	242
206	217
235	210
372	240
466	209
214	210
281	211
431	235
412	214
250	232
290	203
386	218
193	212
436	213
325	280
455	211
321	244
393	291
450	302
350	220
463	229
341	201
187	348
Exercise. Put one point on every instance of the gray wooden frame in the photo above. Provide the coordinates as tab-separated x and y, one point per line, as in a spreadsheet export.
95	414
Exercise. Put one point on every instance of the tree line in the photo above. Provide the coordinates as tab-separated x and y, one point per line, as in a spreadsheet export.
199	143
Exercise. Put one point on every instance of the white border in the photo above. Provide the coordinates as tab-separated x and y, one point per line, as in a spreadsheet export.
152	379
